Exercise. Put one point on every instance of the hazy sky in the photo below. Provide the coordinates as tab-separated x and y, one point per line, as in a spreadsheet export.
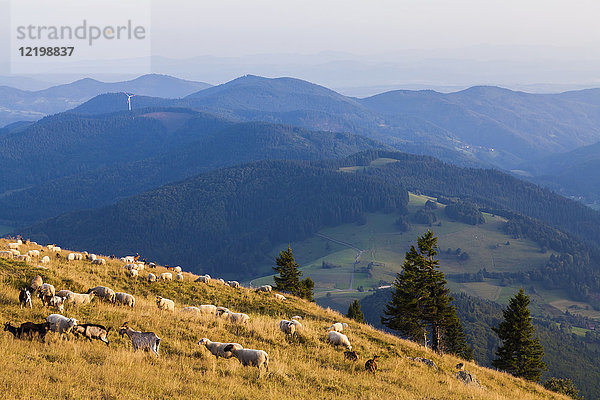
238	27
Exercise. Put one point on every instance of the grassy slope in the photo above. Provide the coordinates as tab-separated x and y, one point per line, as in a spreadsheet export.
307	367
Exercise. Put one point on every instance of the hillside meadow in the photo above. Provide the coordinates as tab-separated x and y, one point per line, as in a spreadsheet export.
301	367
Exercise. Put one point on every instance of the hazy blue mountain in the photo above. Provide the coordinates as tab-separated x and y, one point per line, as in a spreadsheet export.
16	105
226	145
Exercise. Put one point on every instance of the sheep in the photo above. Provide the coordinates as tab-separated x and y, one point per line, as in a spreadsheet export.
130	267
339	339
222	310
63	293
264	288
6	254
255	358
203	279
141	340
92	331
297	324
25	297
338	327
221	281
79	298
57	302
103	292
128	259
92	257
36	283
179	277
191	309
280	296
287	327
56	249
166	276
61	324
125	298
99	261
45	260
46	292
141	267
218	349
237	318
71	257
24	258
133	273
207	309
151	277
165	304
33	253
13	246
177	269
233	284
297	317
15	252
19	241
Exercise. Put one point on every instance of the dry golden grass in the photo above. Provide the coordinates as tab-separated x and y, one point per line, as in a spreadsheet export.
306	367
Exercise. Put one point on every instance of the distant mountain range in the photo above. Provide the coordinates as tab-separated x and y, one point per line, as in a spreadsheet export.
17	105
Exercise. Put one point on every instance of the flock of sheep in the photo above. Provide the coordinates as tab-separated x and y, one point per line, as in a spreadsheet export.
147	341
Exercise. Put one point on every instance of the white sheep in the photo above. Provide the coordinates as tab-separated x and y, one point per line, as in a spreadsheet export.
179	277
280	296
63	293
125	299
203	279
15	252
237	318
61	324
217	348
133	273
166	276
141	340
13	246
338	327
99	261
297	324
287	327
58	303
221	281
46	292
222	310
264	288
33	253
45	260
79	298
233	284
165	304
6	254
24	258
71	257
177	269
151	277
339	339
36	283
255	358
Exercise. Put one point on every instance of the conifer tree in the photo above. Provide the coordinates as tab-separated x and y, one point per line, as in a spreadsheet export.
420	305
455	340
354	312
520	353
289	276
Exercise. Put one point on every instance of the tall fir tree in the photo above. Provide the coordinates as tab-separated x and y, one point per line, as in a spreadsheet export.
520	353
289	276
420	305
354	312
455	340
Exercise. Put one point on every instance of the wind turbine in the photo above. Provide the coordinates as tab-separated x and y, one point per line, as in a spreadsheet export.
129	96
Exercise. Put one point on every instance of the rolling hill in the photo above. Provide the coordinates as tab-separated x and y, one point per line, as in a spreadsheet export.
303	367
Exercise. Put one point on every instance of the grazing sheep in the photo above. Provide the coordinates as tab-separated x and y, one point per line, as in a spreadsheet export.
92	257
92	331
255	358
222	310
63	293
218	349
166	276
236	318
339	339
128	259
33	253
371	365
280	296
58	303
207	309
13	246
177	269
141	340
191	309
297	317
45	260
130	267
151	277
338	327
61	324
23	258
46	292
297	324
6	254
264	288
103	292
152	265
133	273
71	257
350	355
179	277
125	299
15	252
287	327
25	297
99	261
233	284
203	279
79	298
165	304
36	283
56	249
